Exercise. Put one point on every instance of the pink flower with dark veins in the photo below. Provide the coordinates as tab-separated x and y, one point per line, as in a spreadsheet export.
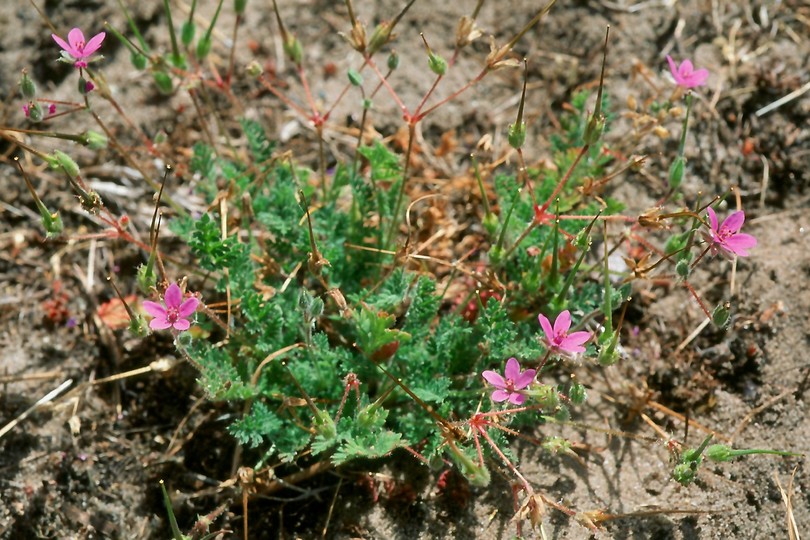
685	74
509	387
175	313
77	48
558	338
726	238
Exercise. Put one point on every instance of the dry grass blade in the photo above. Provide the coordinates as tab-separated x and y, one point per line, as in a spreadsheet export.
787	498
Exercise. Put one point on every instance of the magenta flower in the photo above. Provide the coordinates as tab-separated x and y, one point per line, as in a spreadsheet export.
176	312
508	388
558	338
685	74
77	48
726	238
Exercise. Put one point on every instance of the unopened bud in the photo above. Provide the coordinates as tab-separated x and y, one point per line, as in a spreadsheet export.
719	452
239	6
682	269
52	223
355	78
66	163
437	64
94	140
684	473
138	60
294	50
27	87
187	32
145	277
577	394
324	425
33	111
491	223
138	326
380	36
596	124
163	81
254	69
393	60
676	172
721	315
517	135
203	47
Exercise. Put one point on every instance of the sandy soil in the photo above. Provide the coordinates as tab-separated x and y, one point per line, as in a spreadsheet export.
88	465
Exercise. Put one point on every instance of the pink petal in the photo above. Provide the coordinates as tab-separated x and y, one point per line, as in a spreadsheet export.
154	309
516	398
712	218
61	42
524	379
734	221
188	307
494	379
673	67
159	323
741	243
512	370
577	338
563	323
699	77
545	324
499	395
94	44
182	324
685	69
173	296
75	38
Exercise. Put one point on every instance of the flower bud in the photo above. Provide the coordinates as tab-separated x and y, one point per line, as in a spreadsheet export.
496	254
33	111
437	64
577	394
138	326
355	78
66	163
491	223
684	473
52	222
163	81
203	47
27	87
676	172
324	425
544	395
719	452
187	32
138	60
145	277
721	314
596	124
676	243
517	135
380	36
294	50
94	140
682	269
254	69
239	6
367	104
393	60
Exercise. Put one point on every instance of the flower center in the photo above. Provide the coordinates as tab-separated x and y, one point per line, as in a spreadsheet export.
172	314
510	386
724	234
80	46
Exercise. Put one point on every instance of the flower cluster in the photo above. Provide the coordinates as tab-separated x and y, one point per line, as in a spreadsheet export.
509	385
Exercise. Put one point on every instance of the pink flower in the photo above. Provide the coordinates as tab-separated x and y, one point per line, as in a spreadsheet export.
26	110
685	75
508	388
52	108
558	338
77	48
726	239
175	313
